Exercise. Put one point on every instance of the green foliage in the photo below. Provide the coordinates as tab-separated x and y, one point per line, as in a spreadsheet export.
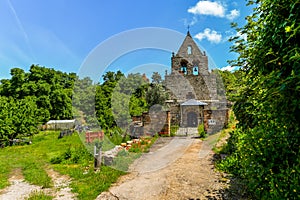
115	136
137	105
201	131
118	98
230	81
265	147
72	155
18	118
135	148
156	95
103	99
34	173
156	78
173	130
29	99
124	158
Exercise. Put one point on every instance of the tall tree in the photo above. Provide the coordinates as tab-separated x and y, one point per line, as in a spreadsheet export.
103	99
156	95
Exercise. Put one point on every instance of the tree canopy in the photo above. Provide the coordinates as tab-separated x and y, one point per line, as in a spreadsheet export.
29	99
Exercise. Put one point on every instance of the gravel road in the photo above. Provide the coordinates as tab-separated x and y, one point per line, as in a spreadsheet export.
176	168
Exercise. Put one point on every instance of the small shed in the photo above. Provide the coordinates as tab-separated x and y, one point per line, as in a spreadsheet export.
61	124
192	113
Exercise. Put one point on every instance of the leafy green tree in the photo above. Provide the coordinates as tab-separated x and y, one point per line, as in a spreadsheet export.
18	118
230	81
119	97
156	95
266	151
83	100
52	90
103	99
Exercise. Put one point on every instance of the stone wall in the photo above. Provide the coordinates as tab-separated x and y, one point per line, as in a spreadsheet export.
178	86
151	123
215	120
202	87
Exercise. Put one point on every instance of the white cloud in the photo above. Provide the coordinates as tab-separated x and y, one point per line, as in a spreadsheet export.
208	8
233	14
210	35
213	8
228	68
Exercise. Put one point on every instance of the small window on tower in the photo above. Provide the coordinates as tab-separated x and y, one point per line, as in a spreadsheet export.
189	50
195	70
183	68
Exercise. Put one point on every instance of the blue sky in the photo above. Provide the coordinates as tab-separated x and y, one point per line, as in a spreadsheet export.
60	34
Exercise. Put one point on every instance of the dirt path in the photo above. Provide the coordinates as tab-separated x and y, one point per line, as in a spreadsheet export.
62	191
20	189
180	169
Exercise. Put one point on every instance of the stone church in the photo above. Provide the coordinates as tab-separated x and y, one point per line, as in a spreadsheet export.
194	91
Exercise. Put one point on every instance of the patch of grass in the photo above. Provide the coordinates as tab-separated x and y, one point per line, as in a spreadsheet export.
4	172
39	196
88	184
222	148
124	159
35	174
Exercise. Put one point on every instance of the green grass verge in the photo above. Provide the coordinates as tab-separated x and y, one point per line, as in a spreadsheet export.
88	185
39	196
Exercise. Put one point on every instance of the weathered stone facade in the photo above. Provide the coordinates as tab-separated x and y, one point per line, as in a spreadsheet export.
191	79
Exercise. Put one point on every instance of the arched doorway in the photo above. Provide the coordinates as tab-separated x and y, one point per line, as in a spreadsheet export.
192	119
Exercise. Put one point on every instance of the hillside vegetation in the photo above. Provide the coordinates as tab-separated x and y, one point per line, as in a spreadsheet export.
264	149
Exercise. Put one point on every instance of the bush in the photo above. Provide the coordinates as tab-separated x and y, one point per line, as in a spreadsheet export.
135	148
72	155
173	130
201	131
265	161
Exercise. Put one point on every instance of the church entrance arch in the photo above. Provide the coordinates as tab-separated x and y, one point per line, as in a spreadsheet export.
192	119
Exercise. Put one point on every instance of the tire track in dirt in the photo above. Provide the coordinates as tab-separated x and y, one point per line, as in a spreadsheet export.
188	173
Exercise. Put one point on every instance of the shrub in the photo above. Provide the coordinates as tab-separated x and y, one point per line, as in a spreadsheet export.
72	155
201	131
174	129
135	148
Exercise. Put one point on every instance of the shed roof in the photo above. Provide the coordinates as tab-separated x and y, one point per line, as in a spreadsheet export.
61	121
193	102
